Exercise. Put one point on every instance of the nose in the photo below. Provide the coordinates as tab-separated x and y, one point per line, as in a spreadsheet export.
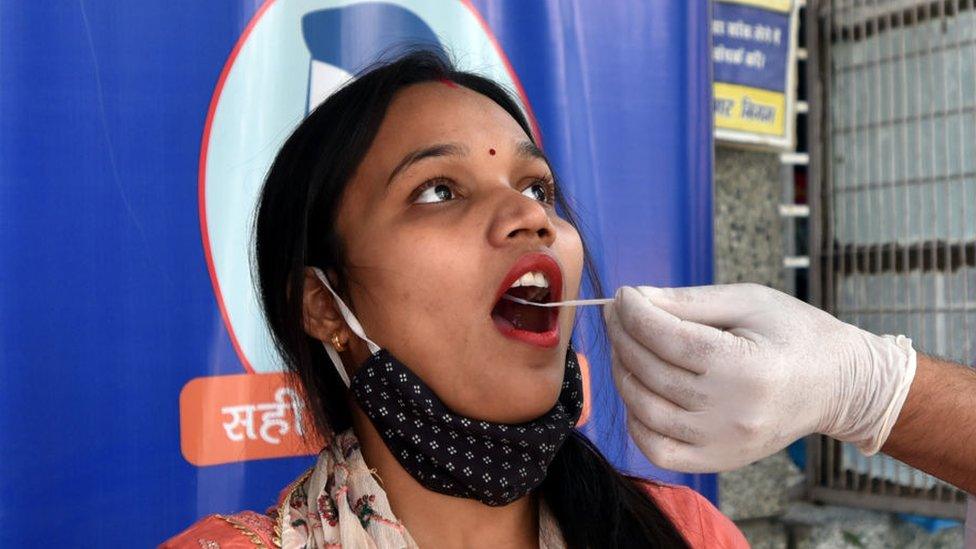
519	218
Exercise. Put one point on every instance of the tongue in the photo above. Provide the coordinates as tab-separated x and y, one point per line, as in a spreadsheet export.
522	317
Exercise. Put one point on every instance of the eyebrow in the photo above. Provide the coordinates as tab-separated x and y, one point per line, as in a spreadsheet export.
527	149
524	149
433	151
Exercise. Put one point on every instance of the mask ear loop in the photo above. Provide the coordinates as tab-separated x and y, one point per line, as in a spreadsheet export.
354	325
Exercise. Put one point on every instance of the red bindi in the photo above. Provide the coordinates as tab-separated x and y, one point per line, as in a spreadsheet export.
491	152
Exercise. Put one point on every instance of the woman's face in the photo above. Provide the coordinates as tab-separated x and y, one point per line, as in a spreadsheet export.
451	205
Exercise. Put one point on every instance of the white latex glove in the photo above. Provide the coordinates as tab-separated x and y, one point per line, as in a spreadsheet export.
716	377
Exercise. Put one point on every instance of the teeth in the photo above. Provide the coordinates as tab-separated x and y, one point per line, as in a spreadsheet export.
536	279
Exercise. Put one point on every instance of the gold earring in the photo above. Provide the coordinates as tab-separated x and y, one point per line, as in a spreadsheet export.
336	343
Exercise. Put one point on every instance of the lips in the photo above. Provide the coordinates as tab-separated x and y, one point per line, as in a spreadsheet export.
536	277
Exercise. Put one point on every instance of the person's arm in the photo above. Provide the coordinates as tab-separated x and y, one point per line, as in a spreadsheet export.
936	430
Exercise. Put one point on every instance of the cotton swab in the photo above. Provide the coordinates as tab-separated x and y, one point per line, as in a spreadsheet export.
570	303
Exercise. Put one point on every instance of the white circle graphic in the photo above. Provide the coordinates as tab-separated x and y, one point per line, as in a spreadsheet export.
282	67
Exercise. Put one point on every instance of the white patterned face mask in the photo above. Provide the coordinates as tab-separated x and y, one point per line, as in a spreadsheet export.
495	463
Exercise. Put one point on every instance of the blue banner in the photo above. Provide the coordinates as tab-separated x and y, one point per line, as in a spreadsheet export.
133	139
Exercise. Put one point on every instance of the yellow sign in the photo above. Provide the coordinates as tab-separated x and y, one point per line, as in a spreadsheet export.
771	5
749	109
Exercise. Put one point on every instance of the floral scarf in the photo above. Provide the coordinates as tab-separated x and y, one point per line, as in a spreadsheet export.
339	504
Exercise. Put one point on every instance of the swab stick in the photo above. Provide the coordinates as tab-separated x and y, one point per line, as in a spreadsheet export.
570	303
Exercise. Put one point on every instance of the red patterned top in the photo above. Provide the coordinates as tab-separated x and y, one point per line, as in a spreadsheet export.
696	518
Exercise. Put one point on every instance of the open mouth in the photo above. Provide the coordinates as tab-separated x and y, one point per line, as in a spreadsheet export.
536	278
532	287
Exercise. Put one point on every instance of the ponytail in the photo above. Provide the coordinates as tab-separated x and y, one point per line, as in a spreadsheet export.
596	506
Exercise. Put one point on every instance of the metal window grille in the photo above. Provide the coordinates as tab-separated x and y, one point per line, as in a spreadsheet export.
893	233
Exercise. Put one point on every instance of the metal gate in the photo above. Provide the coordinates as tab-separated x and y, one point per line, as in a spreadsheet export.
892	136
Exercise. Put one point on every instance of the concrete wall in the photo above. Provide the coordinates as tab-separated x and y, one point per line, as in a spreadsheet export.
748	230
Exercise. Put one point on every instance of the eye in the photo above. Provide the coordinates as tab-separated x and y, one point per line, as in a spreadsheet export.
541	190
435	191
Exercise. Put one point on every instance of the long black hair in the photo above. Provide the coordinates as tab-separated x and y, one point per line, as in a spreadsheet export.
594	504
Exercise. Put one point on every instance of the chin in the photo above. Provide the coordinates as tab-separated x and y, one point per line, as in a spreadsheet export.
529	399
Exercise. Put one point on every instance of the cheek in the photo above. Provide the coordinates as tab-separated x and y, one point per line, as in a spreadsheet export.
416	275
420	302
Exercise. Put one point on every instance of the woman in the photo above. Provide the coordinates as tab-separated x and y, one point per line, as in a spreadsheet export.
400	212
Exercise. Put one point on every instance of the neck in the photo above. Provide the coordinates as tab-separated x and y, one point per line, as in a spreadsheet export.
438	520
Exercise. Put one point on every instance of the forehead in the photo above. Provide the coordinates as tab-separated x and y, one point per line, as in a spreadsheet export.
436	112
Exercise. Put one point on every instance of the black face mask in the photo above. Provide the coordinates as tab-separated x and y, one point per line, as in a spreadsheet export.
495	463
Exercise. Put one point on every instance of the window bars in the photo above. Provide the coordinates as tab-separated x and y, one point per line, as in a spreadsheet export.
893	200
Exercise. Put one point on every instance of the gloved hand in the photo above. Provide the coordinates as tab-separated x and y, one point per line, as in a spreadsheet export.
716	377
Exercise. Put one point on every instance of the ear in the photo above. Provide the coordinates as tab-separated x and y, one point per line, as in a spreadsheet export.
320	316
